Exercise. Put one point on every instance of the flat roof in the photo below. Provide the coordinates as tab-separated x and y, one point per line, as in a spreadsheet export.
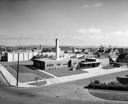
52	60
89	62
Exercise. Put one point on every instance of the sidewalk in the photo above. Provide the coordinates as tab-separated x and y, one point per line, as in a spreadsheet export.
91	73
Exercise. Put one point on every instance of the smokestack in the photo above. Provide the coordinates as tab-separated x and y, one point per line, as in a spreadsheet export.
57	49
41	47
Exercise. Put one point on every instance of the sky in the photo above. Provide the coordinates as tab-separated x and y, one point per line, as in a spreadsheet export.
74	22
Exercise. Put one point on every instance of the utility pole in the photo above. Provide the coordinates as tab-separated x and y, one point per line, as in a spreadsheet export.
17	71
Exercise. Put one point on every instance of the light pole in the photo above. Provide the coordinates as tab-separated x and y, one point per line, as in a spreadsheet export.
17	71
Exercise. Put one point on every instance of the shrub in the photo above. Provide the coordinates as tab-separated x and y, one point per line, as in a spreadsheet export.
109	86
96	82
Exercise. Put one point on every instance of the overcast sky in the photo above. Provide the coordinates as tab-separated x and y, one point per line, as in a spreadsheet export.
74	22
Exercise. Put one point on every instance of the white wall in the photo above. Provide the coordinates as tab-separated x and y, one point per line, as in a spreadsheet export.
30	55
35	53
104	61
10	57
23	56
15	56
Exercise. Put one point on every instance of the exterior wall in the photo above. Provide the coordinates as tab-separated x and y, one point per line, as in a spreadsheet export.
90	56
23	56
75	62
50	65
39	64
68	55
56	65
30	56
10	57
15	56
35	53
104	61
89	65
49	53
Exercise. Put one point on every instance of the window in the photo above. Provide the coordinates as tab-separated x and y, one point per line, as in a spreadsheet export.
58	64
50	65
65	64
74	63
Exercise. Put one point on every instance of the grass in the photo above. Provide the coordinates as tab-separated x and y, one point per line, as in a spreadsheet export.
108	67
26	69
110	94
64	72
42	95
15	63
22	68
26	74
23	77
38	83
10	70
10	95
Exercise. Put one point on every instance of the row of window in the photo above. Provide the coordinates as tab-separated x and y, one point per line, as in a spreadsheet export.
55	68
58	64
74	63
49	65
65	64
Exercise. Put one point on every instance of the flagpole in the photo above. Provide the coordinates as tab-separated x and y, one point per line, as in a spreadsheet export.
17	71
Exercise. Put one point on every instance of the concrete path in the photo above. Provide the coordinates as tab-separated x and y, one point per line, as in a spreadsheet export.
48	73
92	72
11	80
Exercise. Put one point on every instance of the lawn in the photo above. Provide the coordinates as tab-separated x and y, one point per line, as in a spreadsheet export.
110	94
64	72
24	77
15	63
26	74
108	67
38	83
26	69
